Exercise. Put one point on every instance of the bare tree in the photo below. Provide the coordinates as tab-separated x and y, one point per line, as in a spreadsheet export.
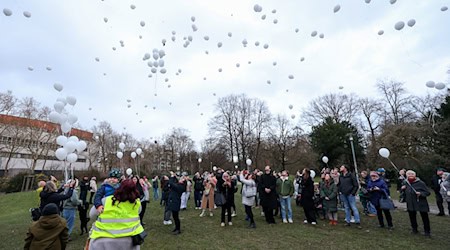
8	103
396	100
340	107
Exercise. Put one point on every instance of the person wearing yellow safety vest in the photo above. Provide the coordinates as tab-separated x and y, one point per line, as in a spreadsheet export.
118	226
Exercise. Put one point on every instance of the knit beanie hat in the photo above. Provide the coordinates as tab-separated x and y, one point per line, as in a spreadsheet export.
50	209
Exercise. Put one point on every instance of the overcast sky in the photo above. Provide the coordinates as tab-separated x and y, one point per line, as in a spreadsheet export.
68	35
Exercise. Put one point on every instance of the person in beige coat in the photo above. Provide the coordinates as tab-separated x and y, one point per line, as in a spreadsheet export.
208	195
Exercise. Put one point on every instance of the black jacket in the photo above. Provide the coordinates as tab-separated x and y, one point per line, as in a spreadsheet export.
175	191
84	188
436	183
414	203
47	198
227	191
348	184
307	200
198	184
268	200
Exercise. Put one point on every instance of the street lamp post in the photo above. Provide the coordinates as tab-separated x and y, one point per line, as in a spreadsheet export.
354	158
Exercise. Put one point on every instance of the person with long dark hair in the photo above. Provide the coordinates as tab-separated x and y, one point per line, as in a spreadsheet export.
137	182
112	232
176	189
307	200
226	187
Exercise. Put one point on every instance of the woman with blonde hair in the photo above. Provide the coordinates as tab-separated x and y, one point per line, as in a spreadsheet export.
208	195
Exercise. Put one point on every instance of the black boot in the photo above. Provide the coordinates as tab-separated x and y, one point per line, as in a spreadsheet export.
252	225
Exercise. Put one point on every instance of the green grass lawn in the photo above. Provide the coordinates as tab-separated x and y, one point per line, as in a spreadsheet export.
206	233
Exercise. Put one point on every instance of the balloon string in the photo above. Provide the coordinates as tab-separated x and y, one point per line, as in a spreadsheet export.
407	51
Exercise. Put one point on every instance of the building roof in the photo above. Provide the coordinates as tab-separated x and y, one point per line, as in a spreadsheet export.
48	126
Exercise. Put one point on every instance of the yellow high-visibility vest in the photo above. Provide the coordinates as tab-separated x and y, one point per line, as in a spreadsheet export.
118	220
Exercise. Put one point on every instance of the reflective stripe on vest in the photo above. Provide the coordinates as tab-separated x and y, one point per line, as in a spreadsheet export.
118	220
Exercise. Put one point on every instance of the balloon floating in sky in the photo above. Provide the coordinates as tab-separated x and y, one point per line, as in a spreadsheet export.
133	6
27	14
297	30
430	84
58	87
142	23
291	77
269	82
291	107
266	46
321	35
7	12
263	17
30	68
399	25
367	1
220	69
193	18
314	33
341	87
194	27
336	8
105	19
439	85
275	21
302	59
411	22
256	43
257	8
238	65
380	32
444	8
293	116
219	44
206	38
393	1
274	11
274	63
230	34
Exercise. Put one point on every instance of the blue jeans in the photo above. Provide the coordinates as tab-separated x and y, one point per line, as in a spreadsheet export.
350	203
69	215
155	194
286	202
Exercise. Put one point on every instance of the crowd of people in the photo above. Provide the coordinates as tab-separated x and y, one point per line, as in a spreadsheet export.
119	204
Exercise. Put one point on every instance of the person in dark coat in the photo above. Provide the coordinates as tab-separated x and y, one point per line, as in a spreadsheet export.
176	189
51	195
267	193
226	187
328	192
436	185
84	206
307	200
49	232
378	189
416	193
198	190
348	187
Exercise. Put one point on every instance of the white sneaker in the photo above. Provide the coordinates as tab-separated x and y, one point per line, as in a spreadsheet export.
230	223
291	221
222	224
305	222
165	222
233	214
262	213
202	214
284	221
169	222
313	223
352	220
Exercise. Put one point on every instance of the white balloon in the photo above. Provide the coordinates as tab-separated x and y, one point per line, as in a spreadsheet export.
193	18
266	46
190	38
7	12
244	42
291	107
256	43
274	11
163	71
173	38
71	100
248	162
380	32
132	6
73	138
230	34
155	64
63	118
81	146
384	152
61	140
297	30
235	159
219	44
275	21
105	19
61	154
336	8
30	68
97	59
312	173
439	85
65	127
399	25
154	70
314	33
161	63
293	116
263	17
59	106
161	53
367	1
194	27
430	84
48	68
302	59
325	159
392	1
122	145
291	77
341	87
72	157
238	65
206	38
70	146
27	14
257	8
214	168
142	23
444	8
146	56
54	117
321	35
133	155
58	87
411	22
129	171
139	151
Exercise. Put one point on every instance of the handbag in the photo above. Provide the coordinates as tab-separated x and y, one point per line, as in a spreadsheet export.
386	203
138	239
251	193
219	199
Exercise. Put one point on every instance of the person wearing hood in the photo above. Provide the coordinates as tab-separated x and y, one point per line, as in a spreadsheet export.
49	232
416	193
445	189
378	189
107	189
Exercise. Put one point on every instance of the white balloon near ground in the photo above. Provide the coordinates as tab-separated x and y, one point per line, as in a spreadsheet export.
235	159
27	14
72	157
411	22
325	159
133	155
399	25
73	138
70	146
336	8
440	86
312	173
430	84
7	12
129	171
61	154
384	152
380	32
248	162
55	116
139	151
